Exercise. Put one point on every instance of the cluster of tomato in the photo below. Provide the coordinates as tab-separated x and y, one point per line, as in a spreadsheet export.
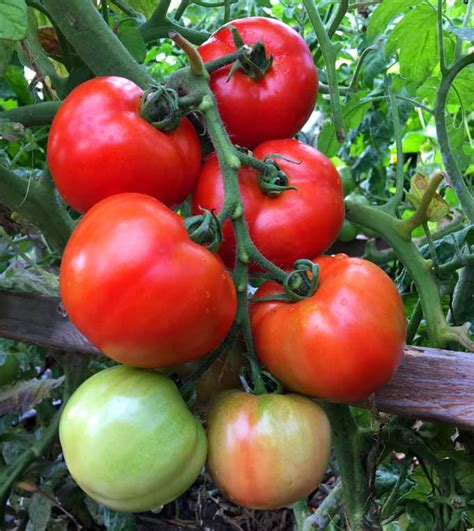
147	296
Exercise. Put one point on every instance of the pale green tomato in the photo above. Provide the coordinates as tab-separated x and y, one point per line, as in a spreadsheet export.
129	440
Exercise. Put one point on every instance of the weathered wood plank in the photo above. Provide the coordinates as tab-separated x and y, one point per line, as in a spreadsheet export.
40	320
431	384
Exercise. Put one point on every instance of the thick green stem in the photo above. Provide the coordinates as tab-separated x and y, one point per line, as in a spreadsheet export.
460	187
81	24
351	456
301	514
337	19
37	203
34	115
160	12
321	518
232	208
393	232
329	52
153	32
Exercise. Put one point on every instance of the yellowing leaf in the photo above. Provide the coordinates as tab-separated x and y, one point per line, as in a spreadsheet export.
438	207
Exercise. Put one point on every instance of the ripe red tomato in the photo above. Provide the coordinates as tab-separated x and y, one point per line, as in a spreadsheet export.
341	344
99	145
278	104
139	289
267	451
300	223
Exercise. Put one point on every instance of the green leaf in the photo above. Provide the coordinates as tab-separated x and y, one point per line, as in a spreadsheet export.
144	6
12	19
111	520
466	34
415	36
385	12
457	141
352	113
6	51
39	511
420	517
16	80
374	64
132	40
464	473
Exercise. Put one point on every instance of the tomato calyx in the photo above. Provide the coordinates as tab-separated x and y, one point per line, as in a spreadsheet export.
299	284
272	180
268	380
252	60
205	229
159	106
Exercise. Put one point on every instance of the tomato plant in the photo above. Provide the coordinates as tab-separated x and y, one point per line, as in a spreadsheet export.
341	344
144	284
135	284
277	103
297	223
129	441
267	451
99	145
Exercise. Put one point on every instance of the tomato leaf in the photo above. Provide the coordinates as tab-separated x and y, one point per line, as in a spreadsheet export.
415	36
39	511
6	51
24	395
111	520
132	40
420	516
385	12
13	20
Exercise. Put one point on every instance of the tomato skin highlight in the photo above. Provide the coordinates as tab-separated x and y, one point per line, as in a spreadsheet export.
278	104
267	451
343	343
99	145
300	223
139	289
129	441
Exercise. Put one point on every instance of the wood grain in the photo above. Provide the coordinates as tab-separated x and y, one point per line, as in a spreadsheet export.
431	384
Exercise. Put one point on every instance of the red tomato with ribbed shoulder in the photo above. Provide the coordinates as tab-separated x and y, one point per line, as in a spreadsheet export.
274	106
300	223
139	289
267	451
99	145
341	344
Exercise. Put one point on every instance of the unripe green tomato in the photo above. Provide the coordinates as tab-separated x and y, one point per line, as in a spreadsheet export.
348	232
357	199
348	183
9	367
129	440
267	451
